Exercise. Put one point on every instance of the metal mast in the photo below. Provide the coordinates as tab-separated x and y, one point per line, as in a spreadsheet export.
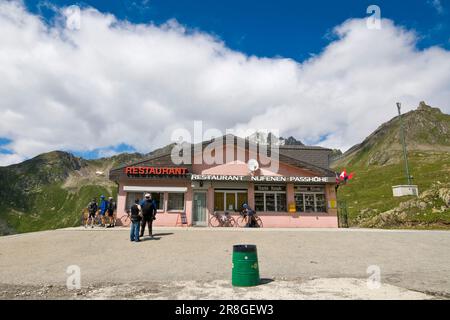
402	137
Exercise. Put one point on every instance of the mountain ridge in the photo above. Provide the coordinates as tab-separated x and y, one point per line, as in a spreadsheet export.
384	142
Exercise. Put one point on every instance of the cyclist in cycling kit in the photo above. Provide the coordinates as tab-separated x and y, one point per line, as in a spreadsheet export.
103	209
250	213
92	208
111	208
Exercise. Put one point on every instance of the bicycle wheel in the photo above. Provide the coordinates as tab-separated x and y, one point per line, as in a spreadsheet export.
214	222
241	221
83	220
259	222
125	220
232	222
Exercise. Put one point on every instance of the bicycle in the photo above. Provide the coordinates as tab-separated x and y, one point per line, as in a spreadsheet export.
242	221
125	220
110	221
221	220
84	217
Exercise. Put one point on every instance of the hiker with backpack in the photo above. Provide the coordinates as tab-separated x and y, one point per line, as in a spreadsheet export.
111	208
148	214
92	209
135	217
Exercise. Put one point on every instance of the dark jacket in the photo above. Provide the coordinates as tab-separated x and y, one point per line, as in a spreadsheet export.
134	213
111	206
92	207
148	208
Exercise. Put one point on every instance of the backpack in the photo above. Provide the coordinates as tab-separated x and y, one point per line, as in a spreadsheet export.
111	206
134	216
147	208
92	207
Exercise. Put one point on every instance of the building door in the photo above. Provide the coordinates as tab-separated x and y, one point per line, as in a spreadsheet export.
199	209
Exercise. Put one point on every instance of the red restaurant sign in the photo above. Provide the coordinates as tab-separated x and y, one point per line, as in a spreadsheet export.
156	171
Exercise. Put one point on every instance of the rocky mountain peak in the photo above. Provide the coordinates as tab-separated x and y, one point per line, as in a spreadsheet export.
425	107
426	129
268	138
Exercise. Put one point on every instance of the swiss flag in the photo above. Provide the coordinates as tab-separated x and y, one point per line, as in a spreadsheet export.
344	176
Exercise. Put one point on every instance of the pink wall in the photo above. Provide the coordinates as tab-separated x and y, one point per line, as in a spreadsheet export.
283	220
163	218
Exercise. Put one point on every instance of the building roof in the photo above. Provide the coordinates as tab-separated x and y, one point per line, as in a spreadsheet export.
309	157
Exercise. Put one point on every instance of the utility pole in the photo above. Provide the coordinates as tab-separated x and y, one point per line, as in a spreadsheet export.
402	137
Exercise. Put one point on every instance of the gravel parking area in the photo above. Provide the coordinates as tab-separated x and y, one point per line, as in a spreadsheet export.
196	263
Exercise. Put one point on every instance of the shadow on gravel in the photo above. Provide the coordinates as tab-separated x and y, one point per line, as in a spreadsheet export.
150	239
163	234
265	281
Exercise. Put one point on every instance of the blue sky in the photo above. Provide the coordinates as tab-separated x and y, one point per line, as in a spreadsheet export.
288	28
232	64
4	146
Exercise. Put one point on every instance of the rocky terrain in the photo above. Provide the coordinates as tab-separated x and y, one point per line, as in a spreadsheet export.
434	202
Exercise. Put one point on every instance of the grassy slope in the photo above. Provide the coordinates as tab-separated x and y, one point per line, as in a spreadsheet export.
372	186
53	207
50	190
33	194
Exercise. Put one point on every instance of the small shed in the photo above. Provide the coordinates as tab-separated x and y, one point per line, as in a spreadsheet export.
405	190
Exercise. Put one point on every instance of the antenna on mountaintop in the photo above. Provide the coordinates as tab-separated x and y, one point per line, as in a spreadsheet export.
402	137
409	189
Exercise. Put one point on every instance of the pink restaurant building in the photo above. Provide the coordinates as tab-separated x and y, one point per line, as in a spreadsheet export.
300	193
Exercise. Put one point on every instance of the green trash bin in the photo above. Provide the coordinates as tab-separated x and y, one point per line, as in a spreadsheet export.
245	271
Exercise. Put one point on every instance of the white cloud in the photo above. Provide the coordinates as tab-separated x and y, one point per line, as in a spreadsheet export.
113	82
437	5
7	159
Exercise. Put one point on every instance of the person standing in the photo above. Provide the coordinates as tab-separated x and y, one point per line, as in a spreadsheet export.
148	214
135	217
111	208
92	209
249	212
103	207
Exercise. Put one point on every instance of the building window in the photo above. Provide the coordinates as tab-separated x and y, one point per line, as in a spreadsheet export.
229	200
157	196
159	199
175	202
131	197
310	199
270	198
219	201
259	201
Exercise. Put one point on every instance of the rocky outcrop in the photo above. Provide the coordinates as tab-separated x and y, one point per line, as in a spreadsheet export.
428	210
